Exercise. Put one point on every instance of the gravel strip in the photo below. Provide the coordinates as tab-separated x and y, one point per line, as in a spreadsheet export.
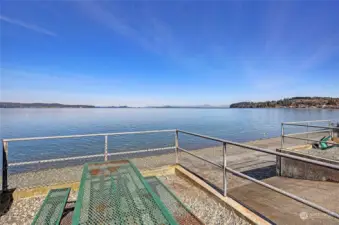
240	157
22	212
209	210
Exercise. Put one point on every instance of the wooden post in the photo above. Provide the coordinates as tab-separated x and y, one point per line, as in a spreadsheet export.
4	166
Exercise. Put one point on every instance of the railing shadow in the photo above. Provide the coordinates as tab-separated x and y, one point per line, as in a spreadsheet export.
262	172
6	201
203	179
221	192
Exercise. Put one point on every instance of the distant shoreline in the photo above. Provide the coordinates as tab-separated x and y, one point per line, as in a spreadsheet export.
295	102
114	107
58	105
164	108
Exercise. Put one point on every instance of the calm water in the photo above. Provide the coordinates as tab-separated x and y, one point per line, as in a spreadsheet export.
232	124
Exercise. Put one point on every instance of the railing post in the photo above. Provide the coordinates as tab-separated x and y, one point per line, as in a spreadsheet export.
224	174
106	148
176	146
4	166
278	163
282	135
307	132
331	130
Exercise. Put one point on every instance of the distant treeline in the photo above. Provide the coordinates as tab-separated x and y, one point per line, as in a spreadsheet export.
114	107
187	107
40	105
295	102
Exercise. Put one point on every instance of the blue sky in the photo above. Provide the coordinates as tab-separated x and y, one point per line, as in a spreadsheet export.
168	52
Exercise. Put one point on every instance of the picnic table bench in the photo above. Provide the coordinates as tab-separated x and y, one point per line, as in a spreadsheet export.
115	192
50	212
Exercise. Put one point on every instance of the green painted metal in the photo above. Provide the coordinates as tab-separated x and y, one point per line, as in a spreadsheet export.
115	192
163	208
76	215
52	208
323	143
177	208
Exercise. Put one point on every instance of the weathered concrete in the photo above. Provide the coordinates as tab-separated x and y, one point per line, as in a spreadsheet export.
199	200
280	209
302	170
242	211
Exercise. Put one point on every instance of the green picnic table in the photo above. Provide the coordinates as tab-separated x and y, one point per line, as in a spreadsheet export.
115	192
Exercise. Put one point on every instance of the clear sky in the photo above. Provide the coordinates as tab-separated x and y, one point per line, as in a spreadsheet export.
141	53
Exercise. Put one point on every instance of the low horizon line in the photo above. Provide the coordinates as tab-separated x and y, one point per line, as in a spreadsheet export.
109	106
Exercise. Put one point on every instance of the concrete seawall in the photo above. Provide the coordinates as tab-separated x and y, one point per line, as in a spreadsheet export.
302	170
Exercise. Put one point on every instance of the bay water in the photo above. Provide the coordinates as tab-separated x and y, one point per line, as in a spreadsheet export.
238	125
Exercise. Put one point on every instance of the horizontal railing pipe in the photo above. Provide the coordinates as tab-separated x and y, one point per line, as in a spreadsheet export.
307	139
199	157
88	156
86	135
202	136
304	201
314	126
310	121
309	132
278	190
311	204
54	160
141	151
328	165
105	154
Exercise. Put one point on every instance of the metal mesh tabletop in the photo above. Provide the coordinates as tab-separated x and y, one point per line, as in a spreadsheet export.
180	212
116	193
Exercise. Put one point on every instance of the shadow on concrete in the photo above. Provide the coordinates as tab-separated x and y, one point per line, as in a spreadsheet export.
6	201
259	173
262	173
204	179
251	209
67	215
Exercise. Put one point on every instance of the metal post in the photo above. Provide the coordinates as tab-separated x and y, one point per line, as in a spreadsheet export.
278	162
176	146
282	135
106	148
331	130
307	132
4	166
224	169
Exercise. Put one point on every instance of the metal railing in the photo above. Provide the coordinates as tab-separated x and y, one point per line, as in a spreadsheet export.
225	169
105	153
177	148
308	124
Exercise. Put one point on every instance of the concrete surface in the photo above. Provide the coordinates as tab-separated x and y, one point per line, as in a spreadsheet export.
283	210
303	170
